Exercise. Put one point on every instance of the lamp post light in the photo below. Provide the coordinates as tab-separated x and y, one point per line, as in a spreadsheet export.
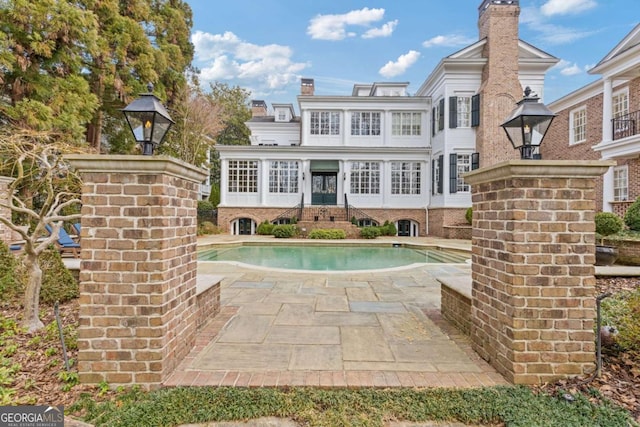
148	119
527	125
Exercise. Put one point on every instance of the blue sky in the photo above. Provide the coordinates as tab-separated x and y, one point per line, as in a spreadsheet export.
265	46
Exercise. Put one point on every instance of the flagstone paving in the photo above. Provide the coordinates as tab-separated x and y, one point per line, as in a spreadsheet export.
370	329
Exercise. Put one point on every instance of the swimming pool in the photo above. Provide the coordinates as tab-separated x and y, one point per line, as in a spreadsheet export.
330	257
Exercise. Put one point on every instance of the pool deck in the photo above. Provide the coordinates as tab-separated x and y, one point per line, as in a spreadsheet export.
352	329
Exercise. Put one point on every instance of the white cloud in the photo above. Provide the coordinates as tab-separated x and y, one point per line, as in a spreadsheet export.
566	7
567	68
392	69
227	57
550	33
333	27
450	40
385	31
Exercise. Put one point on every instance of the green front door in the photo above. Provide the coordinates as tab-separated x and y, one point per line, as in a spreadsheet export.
324	188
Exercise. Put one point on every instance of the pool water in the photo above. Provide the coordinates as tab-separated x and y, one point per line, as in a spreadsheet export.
329	258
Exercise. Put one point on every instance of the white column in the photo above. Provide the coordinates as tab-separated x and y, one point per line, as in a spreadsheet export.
607	190
607	110
224	181
263	185
385	183
306	182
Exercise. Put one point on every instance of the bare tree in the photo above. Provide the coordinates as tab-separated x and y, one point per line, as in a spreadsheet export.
199	119
44	192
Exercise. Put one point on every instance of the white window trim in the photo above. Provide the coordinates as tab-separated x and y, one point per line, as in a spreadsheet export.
621	168
623	91
572	113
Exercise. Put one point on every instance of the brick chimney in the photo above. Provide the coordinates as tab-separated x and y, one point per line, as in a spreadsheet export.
500	88
259	108
307	87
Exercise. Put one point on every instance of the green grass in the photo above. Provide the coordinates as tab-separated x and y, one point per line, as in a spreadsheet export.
512	405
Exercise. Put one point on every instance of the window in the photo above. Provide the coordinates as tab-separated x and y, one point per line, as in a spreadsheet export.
325	123
459	112
365	178
406	124
459	164
365	123
405	178
578	126
282	115
620	104
243	176
620	183
283	177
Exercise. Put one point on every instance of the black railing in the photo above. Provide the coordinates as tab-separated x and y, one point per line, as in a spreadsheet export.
626	126
353	212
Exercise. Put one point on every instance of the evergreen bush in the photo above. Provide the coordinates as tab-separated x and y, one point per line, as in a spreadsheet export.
370	232
389	229
327	234
284	231
632	216
608	223
9	286
265	228
468	215
622	311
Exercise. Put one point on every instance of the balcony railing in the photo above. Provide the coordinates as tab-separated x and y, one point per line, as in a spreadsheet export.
626	126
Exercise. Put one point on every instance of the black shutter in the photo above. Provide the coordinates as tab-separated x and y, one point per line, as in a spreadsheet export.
441	174
433	177
475	161
453	173
453	112
441	115
433	121
475	110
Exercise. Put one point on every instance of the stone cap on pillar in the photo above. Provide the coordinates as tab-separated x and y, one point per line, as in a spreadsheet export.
539	169
136	164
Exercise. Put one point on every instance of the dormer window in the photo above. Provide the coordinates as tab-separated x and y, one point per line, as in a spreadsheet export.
282	116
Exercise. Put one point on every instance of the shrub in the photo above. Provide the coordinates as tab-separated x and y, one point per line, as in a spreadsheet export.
207	227
58	284
370	232
284	231
622	311
389	229
327	234
608	223
265	228
632	216
468	215
8	264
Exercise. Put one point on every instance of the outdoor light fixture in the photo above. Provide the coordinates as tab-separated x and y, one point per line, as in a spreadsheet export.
527	125
148	119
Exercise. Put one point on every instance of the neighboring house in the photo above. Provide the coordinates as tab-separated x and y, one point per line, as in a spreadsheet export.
602	121
380	154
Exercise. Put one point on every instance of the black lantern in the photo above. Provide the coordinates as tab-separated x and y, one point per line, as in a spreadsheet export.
148	119
527	125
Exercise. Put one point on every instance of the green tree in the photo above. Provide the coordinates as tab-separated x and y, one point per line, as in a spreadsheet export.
34	160
235	104
141	41
43	46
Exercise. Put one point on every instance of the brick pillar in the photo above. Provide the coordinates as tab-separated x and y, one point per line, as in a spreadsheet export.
6	234
138	267
533	294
